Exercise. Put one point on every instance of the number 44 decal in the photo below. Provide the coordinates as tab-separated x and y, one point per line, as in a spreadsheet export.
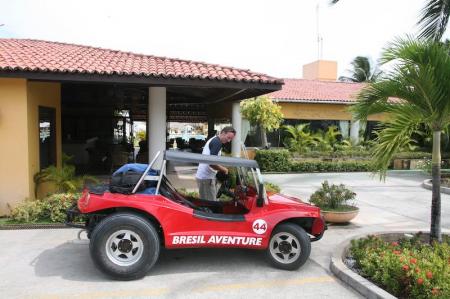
259	226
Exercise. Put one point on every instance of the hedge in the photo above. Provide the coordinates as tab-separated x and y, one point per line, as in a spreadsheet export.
339	154
328	166
273	160
279	161
412	155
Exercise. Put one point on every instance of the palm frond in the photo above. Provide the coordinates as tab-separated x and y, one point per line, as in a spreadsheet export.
434	19
420	78
395	135
361	71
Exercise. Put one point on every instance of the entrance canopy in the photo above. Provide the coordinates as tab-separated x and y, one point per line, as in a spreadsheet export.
104	91
186	80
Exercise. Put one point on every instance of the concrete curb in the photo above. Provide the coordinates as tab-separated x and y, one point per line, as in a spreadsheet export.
428	185
359	283
34	226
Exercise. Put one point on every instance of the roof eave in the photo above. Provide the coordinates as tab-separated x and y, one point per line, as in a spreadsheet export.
313	101
144	80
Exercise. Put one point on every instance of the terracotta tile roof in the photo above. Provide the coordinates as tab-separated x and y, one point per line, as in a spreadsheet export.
44	56
314	91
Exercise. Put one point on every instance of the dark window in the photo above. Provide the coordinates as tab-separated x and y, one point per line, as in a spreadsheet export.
47	137
371	128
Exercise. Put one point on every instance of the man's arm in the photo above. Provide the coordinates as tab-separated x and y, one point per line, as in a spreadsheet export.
214	148
219	168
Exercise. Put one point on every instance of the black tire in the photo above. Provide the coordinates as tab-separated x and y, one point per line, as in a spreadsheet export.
124	246
289	247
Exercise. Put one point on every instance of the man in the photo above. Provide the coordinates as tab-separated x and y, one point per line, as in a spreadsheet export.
206	174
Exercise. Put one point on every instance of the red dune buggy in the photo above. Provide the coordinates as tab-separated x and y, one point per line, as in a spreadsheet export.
127	231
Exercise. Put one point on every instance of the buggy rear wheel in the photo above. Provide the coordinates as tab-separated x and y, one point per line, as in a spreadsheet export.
124	246
289	247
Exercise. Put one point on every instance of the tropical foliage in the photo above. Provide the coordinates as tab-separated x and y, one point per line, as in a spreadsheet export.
261	111
434	19
333	197
362	71
415	94
64	177
299	138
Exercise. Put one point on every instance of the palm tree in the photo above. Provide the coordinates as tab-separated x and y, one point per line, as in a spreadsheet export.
433	20
415	94
362	71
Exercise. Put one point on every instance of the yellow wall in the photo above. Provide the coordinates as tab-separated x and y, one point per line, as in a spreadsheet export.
19	136
14	166
309	111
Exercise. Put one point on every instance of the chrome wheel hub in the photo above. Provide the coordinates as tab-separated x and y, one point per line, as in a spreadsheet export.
285	248
124	247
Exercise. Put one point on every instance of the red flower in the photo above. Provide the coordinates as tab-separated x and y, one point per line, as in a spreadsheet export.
419	281
405	267
413	261
429	275
397	252
435	291
394	243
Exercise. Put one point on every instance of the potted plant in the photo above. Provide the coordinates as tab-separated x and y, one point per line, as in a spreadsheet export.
336	202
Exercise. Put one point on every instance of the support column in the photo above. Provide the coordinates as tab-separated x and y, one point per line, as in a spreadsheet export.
354	132
211	122
156	123
236	120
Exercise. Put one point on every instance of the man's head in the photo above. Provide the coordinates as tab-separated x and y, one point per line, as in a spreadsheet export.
227	134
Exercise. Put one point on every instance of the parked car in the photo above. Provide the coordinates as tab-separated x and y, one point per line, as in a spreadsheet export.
128	231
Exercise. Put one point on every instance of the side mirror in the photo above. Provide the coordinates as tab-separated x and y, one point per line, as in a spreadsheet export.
260	199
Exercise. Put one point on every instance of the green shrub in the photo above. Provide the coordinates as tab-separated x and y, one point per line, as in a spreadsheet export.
329	166
50	209
28	211
273	160
412	155
63	177
333	197
407	268
279	161
270	187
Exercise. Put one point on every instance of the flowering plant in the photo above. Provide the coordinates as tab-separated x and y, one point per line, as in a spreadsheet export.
407	268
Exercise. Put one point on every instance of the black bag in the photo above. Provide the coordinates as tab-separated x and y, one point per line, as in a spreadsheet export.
124	182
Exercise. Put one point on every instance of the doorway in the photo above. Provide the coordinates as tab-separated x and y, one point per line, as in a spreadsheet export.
47	137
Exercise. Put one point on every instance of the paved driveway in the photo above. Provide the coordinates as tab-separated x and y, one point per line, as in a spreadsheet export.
55	264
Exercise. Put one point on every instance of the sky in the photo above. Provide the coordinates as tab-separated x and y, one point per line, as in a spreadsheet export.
272	37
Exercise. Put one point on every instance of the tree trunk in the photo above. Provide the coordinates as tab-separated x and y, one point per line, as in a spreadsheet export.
263	136
435	230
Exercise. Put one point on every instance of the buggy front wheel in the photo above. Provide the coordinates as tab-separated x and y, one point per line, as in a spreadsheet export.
289	247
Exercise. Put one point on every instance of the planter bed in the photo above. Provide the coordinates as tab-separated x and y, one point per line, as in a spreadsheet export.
409	268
